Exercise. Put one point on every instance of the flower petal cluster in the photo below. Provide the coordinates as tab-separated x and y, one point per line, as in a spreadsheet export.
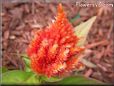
53	50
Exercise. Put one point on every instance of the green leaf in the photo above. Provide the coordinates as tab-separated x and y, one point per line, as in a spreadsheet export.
28	69
82	30
19	77
51	79
3	69
73	80
27	62
34	79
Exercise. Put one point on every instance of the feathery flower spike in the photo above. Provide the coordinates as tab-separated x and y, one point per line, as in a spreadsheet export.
52	51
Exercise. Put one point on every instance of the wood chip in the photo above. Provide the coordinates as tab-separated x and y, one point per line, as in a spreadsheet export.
88	73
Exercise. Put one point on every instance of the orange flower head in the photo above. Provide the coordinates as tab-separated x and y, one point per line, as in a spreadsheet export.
52	51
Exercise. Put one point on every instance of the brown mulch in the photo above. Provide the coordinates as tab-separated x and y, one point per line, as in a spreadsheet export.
19	20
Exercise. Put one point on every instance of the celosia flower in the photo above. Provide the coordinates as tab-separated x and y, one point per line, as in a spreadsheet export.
53	50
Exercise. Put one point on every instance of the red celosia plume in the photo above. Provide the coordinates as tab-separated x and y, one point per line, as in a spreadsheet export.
53	50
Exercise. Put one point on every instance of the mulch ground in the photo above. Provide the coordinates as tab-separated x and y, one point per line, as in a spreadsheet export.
19	20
